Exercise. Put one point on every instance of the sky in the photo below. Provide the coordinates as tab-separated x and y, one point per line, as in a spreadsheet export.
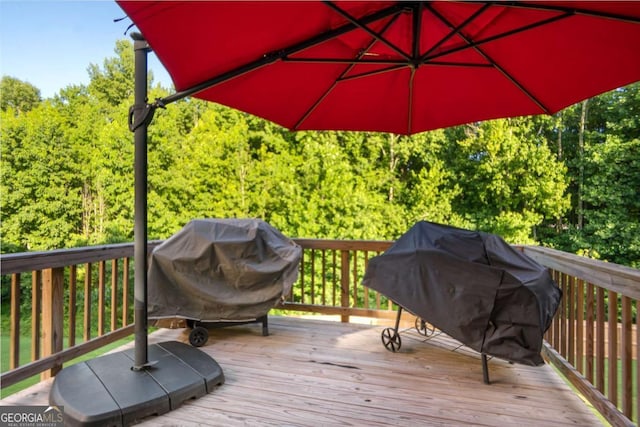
51	43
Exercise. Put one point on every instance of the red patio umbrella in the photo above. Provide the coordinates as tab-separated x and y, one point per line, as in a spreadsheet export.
401	67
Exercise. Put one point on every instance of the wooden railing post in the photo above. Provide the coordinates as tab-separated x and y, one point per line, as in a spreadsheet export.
52	315
344	283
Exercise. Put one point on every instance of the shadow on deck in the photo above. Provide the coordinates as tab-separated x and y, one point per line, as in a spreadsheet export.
311	372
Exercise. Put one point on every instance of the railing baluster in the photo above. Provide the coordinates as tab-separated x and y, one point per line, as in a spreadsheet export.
571	337
580	326
600	340
378	293
125	291
355	278
72	306
324	277
36	311
558	317
101	299
87	302
626	354
302	274
589	350
344	283
564	316
14	346
334	277
366	290
612	392
637	348
313	276
114	294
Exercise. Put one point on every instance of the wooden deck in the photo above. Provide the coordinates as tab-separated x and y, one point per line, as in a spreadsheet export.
323	373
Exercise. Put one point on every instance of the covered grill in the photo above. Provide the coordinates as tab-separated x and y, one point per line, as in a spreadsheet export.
471	285
221	272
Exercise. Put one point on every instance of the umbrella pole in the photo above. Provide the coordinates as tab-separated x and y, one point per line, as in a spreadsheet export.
111	393
138	122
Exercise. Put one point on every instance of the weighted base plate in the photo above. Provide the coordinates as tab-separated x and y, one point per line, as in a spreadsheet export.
106	392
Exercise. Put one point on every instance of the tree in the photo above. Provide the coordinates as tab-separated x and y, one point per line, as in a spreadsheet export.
18	95
510	181
609	188
40	186
113	83
612	205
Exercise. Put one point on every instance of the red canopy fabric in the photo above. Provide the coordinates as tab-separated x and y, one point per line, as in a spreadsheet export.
401	67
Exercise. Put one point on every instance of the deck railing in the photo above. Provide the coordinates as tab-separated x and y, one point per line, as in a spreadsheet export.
594	336
595	351
59	292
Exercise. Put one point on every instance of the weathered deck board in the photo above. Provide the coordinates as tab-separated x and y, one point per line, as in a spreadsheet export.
320	373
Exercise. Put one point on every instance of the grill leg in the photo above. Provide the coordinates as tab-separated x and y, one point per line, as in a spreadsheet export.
398	318
265	326
485	369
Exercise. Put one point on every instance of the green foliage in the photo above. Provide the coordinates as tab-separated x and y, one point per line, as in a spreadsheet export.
613	202
508	178
40	180
603	175
17	95
67	171
114	81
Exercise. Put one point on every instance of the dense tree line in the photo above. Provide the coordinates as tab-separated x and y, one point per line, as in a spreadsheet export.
570	180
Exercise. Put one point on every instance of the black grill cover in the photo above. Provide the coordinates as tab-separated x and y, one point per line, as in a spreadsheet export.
221	269
471	285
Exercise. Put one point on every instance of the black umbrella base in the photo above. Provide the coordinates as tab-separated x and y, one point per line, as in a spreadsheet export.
106	392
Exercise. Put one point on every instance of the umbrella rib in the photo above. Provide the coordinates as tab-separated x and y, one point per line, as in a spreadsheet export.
381	62
459	64
363	26
372	73
344	72
417	27
519	85
566	13
282	53
456	30
474	44
471	44
575	11
346	61
410	101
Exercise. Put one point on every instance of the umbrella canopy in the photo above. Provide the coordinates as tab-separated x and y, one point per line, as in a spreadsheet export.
401	67
471	285
222	269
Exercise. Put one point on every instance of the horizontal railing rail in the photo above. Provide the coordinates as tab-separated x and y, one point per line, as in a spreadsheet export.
597	352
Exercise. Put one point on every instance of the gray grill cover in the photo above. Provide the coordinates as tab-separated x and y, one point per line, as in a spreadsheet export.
471	285
221	269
